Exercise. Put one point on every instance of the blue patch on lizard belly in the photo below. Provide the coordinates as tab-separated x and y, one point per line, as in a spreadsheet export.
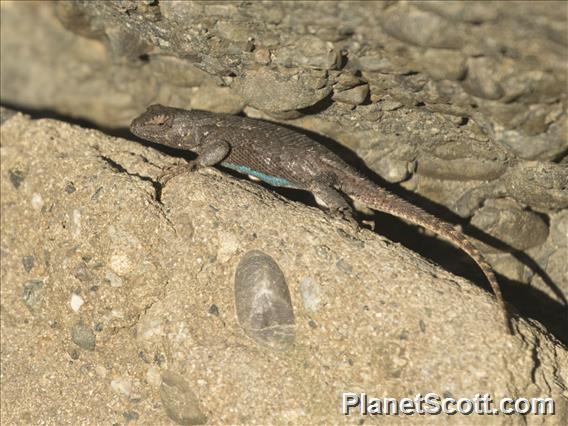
271	180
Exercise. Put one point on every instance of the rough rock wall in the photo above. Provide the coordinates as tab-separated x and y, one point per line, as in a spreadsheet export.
461	103
118	309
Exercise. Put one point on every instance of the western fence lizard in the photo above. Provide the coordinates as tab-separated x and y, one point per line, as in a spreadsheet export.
283	157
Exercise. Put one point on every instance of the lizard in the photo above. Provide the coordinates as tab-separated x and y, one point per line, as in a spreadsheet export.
283	157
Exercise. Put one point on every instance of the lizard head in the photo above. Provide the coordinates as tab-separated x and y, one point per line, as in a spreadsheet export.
163	125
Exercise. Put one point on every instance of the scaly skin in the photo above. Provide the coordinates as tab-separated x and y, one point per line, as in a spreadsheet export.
282	157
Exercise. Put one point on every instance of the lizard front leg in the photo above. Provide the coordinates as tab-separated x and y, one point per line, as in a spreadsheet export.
208	153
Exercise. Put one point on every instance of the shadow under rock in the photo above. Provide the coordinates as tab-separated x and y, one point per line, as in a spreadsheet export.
552	314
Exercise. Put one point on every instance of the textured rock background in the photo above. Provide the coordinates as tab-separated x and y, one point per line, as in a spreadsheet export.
462	104
120	309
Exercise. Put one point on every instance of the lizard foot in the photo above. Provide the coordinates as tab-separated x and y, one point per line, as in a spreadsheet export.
347	215
173	171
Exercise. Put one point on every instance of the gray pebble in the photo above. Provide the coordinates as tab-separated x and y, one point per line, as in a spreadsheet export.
82	273
28	262
213	310
263	304
97	194
180	402
70	188
16	177
342	265
83	336
130	416
159	359
32	293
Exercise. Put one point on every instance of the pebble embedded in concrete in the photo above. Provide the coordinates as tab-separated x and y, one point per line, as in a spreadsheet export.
180	402
83	336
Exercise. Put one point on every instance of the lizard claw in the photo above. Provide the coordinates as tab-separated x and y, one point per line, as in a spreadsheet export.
173	171
347	215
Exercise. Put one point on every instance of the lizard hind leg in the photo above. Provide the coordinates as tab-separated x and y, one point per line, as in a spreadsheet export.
334	201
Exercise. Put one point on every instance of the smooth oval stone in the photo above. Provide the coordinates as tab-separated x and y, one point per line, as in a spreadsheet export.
263	304
180	402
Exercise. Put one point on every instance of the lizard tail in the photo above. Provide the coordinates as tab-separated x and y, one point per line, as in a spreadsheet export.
381	200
